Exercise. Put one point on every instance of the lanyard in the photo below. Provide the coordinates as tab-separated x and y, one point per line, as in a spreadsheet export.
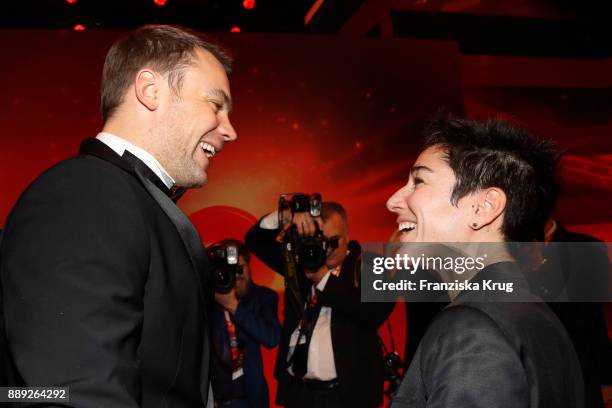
237	354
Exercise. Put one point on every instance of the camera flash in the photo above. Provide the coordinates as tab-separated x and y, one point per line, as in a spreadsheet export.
232	254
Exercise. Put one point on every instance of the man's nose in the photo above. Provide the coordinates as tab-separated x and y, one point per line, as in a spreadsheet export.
227	130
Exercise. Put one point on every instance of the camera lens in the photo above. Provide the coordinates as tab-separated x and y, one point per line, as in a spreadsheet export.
312	254
225	279
224	263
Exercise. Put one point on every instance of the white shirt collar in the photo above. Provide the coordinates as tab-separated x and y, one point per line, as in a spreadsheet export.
323	282
120	145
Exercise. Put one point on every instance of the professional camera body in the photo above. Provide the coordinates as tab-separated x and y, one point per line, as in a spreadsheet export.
224	262
289	204
310	253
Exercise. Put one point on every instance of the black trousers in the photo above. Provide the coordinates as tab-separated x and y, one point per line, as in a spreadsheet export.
300	396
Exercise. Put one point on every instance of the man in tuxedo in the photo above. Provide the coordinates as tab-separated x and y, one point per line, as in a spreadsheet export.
245	318
329	354
102	281
570	271
477	183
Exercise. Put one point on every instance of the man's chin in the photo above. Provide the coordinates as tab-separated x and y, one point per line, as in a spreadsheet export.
333	263
242	291
198	181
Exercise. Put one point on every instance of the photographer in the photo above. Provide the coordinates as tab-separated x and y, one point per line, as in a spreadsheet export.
244	318
329	355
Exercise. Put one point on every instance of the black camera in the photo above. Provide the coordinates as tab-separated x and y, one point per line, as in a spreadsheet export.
289	204
310	253
224	262
393	372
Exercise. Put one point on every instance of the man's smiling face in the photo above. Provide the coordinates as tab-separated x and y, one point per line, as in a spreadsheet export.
195	124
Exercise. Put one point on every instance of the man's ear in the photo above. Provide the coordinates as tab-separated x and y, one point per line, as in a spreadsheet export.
146	87
489	205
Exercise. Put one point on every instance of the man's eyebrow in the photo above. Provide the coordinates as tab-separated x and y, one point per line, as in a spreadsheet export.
420	168
221	94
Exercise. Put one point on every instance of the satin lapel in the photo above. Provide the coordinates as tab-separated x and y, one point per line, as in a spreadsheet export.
195	249
190	237
94	147
188	233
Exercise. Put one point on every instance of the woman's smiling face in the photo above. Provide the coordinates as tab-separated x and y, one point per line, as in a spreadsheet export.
423	206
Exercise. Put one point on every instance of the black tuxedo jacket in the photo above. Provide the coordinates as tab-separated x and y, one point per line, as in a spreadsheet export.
102	286
354	325
577	268
481	352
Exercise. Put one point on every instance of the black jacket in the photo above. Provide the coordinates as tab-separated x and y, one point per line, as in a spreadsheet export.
102	287
354	325
257	324
576	268
481	352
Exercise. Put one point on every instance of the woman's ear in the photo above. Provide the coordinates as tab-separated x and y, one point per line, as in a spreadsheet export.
490	204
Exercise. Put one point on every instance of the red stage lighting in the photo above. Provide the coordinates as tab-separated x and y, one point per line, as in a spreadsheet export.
235	30
313	10
79	27
248	4
160	3
71	1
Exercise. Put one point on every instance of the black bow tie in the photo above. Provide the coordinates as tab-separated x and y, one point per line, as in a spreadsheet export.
177	193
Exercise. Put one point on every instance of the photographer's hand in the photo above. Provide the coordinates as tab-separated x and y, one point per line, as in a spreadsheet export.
316	276
306	224
227	300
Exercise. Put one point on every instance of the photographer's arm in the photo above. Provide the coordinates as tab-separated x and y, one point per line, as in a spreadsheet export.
262	324
261	240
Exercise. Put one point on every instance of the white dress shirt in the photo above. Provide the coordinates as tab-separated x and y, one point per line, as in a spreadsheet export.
320	364
120	145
